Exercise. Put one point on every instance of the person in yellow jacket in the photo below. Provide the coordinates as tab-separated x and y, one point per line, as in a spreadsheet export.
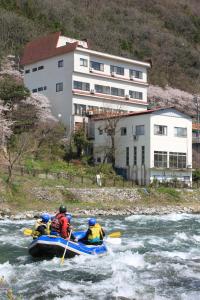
94	234
42	225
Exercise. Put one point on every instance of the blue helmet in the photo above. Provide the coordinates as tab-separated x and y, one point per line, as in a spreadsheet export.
92	222
45	217
69	217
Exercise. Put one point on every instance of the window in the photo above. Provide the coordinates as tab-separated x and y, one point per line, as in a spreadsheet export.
127	156
143	155
100	131
136	74
117	92
34	91
61	63
160	130
160	159
40	67
80	109
59	87
83	62
81	86
27	71
117	70
139	130
40	89
180	132
136	95
34	69
177	160
97	66
135	156
102	89
123	131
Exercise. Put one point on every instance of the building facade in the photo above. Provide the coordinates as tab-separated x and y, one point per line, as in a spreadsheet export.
148	145
80	82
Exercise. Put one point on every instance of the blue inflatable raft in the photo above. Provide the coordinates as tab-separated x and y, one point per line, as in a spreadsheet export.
47	246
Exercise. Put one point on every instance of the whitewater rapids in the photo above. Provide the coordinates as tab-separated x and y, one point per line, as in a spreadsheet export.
158	258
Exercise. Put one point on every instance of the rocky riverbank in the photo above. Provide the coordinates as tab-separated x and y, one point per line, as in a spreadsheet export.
106	202
8	214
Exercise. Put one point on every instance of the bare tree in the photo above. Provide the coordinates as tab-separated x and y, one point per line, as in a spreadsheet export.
110	126
17	147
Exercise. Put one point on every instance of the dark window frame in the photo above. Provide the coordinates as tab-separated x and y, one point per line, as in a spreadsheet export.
102	89
136	73
117	92
180	132
59	87
97	66
160	130
123	131
135	156
177	160
160	159
127	157
142	155
117	70
61	63
79	85
139	130
83	62
136	95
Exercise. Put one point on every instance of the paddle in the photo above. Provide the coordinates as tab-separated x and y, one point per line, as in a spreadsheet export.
116	234
63	257
29	232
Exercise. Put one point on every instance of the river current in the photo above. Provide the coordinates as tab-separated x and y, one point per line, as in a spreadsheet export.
158	258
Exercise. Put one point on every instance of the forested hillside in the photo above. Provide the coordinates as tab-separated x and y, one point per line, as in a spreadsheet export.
166	31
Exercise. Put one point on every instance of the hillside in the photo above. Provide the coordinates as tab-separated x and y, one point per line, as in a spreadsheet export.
166	31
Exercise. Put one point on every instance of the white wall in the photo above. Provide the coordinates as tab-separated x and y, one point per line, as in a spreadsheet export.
110	60
169	143
61	101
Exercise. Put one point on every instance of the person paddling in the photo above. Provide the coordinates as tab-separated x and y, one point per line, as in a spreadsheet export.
42	225
95	233
60	224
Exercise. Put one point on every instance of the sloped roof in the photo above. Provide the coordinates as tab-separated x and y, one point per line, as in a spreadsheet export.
136	113
45	47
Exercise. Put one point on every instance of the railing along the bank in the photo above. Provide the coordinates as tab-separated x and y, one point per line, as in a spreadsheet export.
89	180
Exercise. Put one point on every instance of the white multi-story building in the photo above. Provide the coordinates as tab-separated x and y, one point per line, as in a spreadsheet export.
79	81
149	144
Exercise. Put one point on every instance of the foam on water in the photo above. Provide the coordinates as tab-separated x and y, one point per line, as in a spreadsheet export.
174	217
154	261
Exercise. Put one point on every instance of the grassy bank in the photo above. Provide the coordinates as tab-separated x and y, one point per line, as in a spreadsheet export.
35	193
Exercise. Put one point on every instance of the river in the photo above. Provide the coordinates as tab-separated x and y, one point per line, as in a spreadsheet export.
158	258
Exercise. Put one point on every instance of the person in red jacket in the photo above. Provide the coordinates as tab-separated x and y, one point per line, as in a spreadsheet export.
60	223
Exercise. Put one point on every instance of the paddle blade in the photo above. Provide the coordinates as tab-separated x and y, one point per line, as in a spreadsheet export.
116	234
28	231
62	260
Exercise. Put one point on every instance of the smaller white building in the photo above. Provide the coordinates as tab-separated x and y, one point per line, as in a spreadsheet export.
147	145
